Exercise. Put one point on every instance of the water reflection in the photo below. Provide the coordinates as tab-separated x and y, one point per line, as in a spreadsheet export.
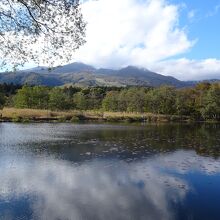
95	190
59	189
108	172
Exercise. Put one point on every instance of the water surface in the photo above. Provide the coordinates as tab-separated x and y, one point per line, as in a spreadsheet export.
103	171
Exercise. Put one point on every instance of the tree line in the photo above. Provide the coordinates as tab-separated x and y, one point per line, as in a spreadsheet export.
199	102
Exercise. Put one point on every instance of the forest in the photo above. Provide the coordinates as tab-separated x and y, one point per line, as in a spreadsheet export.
201	102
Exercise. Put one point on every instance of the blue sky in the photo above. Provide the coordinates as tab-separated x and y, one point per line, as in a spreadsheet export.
201	18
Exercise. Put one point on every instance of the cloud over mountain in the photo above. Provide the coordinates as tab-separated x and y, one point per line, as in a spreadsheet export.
185	69
131	32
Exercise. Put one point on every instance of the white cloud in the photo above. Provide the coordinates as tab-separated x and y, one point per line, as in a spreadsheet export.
131	32
186	69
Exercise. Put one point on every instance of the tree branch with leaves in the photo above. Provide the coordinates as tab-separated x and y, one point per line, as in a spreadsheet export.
41	31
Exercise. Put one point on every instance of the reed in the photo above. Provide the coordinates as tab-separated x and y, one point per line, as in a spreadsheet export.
14	114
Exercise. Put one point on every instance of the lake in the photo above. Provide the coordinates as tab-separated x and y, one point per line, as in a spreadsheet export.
109	171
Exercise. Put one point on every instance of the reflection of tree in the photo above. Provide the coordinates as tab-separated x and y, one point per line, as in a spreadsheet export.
85	142
165	137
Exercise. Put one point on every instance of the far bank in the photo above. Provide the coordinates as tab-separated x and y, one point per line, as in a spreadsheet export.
40	115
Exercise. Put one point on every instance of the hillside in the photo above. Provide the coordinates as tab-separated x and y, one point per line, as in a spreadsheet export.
80	74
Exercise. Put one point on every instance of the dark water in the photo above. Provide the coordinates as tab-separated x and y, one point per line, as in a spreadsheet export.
94	171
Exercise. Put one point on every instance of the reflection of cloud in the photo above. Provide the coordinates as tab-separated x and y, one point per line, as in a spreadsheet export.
97	190
188	161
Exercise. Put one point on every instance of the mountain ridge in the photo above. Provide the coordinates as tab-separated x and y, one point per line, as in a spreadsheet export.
80	74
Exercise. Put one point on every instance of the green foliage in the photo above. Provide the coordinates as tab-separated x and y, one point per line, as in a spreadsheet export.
110	102
58	100
211	103
40	96
185	102
135	100
162	100
199	103
95	97
9	89
80	101
131	100
23	98
2	100
32	97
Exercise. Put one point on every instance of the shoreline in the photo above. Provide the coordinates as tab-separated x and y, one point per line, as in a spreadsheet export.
39	115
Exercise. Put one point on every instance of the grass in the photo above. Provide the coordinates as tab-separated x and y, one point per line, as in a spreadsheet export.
21	115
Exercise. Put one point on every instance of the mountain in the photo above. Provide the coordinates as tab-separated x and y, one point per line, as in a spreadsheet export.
80	74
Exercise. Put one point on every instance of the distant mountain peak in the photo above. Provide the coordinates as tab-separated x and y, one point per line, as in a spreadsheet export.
131	67
81	74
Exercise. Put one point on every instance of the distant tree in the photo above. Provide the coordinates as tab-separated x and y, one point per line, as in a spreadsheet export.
71	90
122	100
9	89
58	100
200	90
32	97
204	86
40	30
185	102
161	100
110	102
80	101
24	98
211	103
136	100
95	98
40	97
200	102
2	100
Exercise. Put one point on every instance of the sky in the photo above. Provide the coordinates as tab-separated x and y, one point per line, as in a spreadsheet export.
180	38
